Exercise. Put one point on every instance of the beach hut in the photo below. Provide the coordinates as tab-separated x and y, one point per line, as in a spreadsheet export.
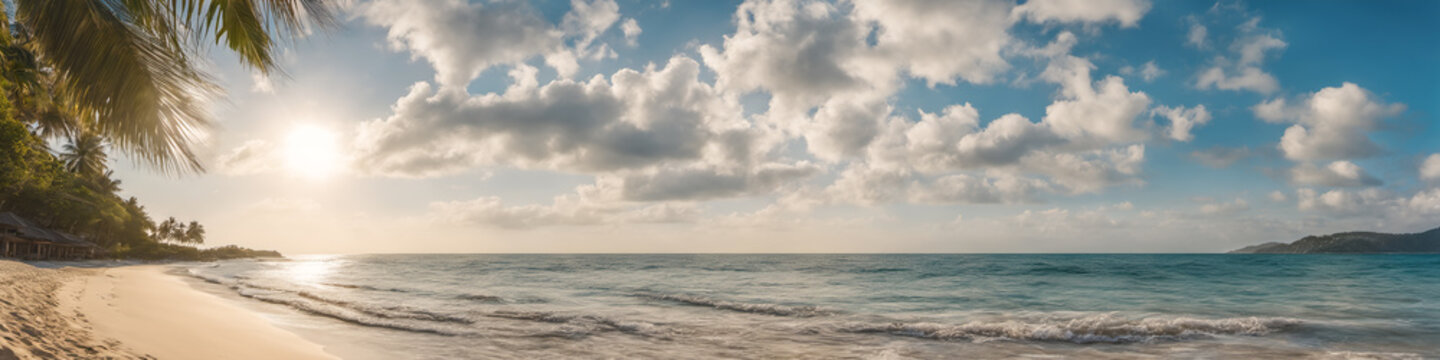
20	238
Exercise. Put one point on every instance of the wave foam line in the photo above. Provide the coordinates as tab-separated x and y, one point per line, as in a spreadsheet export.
753	308
348	315
1093	329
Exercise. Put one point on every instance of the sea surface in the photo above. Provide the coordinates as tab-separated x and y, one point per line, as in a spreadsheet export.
846	306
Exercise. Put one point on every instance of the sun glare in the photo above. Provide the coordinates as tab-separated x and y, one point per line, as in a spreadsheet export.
311	152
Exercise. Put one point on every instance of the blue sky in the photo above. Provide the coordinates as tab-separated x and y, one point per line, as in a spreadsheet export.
815	126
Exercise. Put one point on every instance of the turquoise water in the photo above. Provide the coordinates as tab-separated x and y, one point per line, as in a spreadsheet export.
849	306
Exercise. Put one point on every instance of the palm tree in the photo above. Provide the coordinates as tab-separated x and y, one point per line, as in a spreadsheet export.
166	229
106	183
128	63
195	234
85	154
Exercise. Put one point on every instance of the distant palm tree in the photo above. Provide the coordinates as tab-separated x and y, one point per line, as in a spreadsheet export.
165	229
128	64
106	183
195	234
85	154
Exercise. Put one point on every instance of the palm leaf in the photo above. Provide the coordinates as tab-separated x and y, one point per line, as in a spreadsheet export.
149	99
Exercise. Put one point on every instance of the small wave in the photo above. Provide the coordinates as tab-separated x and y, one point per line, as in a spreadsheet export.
582	325
482	298
1093	329
754	308
218	280
388	312
349	315
365	287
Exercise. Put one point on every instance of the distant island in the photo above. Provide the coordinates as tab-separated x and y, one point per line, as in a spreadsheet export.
1358	242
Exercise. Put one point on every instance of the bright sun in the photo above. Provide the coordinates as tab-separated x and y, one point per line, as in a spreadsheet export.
311	152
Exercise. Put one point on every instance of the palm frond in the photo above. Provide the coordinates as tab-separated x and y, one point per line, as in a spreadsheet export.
250	28
150	100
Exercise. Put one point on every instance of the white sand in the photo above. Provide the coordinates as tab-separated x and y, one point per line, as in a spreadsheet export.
125	312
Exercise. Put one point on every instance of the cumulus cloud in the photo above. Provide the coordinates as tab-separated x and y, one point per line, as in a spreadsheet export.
940	41
1374	204
1330	124
967	189
1430	168
1148	72
1338	173
1104	111
801	53
1241	70
1125	12
1246	78
1182	120
631	120
1089	171
586	21
632	31
461	39
1278	196
705	183
1196	36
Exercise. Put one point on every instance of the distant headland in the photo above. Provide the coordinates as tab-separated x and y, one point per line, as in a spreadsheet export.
1358	242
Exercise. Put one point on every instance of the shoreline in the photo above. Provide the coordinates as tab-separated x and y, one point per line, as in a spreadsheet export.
131	312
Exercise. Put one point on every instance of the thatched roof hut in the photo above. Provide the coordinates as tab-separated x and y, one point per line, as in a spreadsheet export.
19	238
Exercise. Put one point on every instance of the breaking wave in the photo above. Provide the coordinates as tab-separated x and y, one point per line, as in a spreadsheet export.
1085	330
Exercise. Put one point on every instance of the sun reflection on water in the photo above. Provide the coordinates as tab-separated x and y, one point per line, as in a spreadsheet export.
312	269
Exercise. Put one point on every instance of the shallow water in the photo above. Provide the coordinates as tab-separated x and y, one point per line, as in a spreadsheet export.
849	306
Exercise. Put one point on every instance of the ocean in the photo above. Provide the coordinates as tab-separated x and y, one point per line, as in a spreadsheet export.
846	306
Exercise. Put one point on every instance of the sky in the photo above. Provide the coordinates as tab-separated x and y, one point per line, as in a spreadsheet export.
898	126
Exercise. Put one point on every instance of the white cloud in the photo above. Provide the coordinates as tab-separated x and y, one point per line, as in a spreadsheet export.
1278	196
1252	49
967	189
1338	173
586	21
1248	78
1089	171
632	120
632	31
250	158
866	185
801	53
1126	12
1148	72
845	126
704	183
1430	168
941	40
1196	36
1183	119
462	39
1330	124
1243	73
1105	111
1227	208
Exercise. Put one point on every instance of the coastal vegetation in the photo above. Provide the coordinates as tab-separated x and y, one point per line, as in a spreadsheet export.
1356	242
96	76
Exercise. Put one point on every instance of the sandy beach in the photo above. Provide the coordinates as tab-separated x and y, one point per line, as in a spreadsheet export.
130	312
